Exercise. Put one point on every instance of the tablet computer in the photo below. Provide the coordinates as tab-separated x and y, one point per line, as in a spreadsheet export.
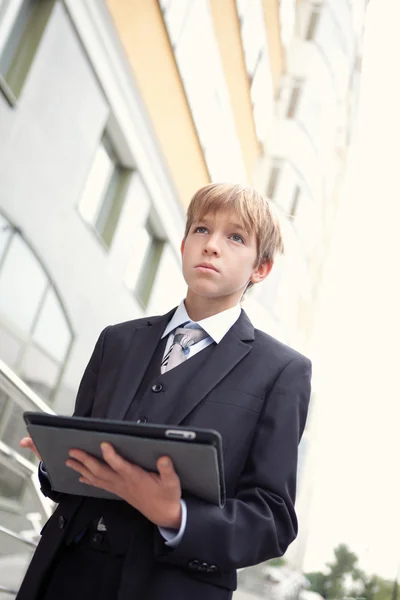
196	453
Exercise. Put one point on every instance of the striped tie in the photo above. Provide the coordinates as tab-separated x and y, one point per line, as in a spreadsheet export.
184	337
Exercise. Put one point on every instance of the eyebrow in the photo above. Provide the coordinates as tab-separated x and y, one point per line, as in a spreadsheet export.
232	225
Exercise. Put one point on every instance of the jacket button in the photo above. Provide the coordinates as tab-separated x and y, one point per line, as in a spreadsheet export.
142	420
157	387
61	522
194	565
212	569
203	567
97	538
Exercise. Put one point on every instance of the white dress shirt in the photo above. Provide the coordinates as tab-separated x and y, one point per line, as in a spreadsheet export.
217	326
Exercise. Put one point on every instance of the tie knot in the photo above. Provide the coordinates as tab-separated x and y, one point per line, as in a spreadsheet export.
189	335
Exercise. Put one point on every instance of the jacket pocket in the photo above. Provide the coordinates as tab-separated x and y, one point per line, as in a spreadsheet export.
237	398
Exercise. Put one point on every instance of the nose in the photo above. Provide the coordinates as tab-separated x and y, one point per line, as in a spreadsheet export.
212	246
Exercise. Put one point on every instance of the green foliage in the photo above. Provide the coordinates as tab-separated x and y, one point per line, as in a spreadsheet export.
276	562
332	584
318	582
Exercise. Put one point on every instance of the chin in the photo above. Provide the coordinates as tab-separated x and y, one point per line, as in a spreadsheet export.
202	289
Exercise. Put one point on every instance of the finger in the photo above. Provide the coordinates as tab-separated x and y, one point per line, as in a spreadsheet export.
167	472
81	469
27	442
91	465
117	463
98	484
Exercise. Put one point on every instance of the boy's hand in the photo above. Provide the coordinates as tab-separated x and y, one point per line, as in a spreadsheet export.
27	442
156	495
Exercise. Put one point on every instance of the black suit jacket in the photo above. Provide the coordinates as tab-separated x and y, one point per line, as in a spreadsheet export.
255	391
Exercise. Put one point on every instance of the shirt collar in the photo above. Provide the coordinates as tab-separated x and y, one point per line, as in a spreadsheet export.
216	326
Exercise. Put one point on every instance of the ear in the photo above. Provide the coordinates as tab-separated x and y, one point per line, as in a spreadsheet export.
182	247
262	271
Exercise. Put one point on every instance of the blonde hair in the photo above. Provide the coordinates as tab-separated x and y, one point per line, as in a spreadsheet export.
253	210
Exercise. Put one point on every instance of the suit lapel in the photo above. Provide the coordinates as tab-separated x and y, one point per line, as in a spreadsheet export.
227	354
140	351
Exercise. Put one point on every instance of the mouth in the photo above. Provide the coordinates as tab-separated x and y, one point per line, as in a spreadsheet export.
206	267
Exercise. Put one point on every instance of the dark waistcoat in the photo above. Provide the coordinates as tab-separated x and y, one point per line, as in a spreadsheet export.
121	519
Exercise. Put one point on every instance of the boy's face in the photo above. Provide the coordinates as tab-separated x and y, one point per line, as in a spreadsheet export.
219	259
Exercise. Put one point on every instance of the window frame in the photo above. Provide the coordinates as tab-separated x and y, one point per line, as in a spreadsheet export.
113	198
26	341
150	263
23	55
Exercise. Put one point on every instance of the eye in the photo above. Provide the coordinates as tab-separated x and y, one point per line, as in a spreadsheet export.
200	230
237	238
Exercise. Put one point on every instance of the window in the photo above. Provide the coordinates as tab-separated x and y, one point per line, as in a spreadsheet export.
169	286
21	277
326	33
284	187
289	191
313	24
148	242
35	334
287	18
22	25
301	100
294	98
141	274
190	27
255	49
103	196
35	338
261	96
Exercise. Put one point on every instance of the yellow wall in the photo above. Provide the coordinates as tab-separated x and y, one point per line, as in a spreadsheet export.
141	29
275	48
227	29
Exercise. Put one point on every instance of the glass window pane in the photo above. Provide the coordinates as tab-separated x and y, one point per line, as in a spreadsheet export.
262	97
10	348
52	332
286	184
287	17
169	286
22	285
96	186
143	241
3	402
14	428
10	48
175	15
242	6
40	372
253	35
208	97
11	484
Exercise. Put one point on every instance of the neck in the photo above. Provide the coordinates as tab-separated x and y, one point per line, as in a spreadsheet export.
199	308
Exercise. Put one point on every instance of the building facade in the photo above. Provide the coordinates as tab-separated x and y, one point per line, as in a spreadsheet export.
112	114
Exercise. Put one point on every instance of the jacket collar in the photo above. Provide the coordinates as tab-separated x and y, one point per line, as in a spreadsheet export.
232	349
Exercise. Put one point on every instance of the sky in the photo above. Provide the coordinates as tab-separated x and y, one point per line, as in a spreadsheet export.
356	474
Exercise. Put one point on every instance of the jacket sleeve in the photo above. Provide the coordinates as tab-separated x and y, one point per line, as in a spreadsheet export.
83	407
260	522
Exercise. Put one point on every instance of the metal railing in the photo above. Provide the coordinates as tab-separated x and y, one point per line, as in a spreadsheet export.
10	591
19	392
17	536
22	396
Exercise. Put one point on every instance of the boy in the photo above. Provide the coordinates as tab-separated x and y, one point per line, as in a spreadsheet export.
201	365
